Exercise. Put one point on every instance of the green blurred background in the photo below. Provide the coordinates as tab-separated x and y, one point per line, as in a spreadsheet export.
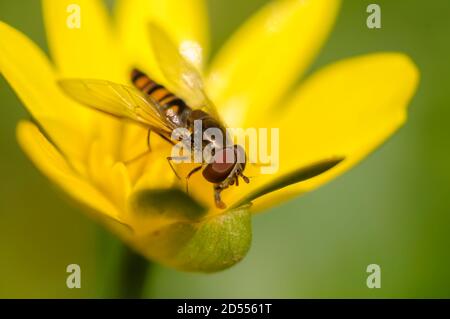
392	210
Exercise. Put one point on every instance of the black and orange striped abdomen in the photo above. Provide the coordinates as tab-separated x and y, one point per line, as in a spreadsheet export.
170	104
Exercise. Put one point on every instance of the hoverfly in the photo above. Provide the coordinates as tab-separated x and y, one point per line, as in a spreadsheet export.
161	111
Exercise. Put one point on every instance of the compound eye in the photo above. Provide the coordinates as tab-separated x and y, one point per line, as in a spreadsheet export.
220	169
217	172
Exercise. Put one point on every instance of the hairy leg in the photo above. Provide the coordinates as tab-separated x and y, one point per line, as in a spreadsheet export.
195	170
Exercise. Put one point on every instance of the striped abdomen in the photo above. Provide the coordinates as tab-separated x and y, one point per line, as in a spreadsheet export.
172	106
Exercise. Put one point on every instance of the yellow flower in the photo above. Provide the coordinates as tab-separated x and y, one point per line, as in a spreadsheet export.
345	110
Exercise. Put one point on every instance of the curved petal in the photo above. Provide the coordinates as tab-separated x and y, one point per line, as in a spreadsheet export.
185	21
56	168
345	110
87	51
109	177
29	73
263	59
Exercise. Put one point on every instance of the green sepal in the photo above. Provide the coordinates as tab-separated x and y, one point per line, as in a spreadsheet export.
212	244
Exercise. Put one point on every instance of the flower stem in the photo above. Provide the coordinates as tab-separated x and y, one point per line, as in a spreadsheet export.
133	274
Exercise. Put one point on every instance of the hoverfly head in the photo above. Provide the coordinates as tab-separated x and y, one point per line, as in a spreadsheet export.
228	163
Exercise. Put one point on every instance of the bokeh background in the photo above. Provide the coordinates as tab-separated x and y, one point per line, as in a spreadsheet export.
392	210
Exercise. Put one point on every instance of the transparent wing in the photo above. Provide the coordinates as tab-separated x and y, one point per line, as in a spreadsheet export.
182	76
118	100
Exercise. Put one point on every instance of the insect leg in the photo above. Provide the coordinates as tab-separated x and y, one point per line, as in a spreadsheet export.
217	199
169	160
195	170
134	159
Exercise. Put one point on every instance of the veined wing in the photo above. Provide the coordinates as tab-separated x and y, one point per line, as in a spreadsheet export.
118	100
179	72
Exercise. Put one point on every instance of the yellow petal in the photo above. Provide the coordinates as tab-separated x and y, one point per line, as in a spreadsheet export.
263	59
345	110
87	51
185	21
109	177
56	168
29	73
90	51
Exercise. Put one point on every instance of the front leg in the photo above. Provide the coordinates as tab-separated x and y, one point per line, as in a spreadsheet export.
217	199
170	160
195	170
